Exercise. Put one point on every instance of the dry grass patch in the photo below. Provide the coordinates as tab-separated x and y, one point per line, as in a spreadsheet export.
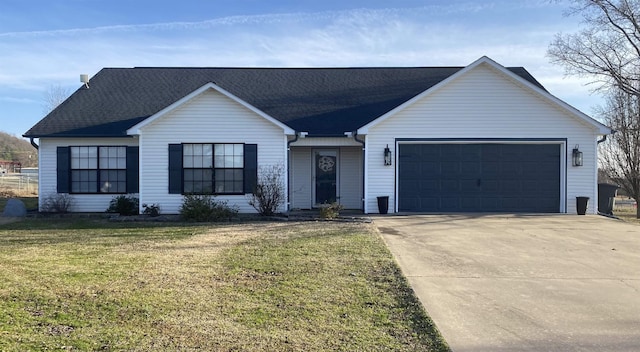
627	213
94	285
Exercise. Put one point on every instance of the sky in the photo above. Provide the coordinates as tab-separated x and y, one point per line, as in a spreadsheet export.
46	45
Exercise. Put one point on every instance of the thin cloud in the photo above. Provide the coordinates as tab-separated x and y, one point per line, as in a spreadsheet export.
172	26
282	18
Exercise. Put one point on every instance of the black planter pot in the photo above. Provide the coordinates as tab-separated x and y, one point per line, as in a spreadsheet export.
581	205
383	204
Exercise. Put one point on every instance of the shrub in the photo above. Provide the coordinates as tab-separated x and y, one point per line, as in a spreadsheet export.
151	210
330	211
57	203
124	205
202	208
269	193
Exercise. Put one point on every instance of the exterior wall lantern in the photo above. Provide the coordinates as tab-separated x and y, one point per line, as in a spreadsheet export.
577	156
387	155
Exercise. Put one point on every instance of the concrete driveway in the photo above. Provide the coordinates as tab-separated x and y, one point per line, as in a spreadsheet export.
523	282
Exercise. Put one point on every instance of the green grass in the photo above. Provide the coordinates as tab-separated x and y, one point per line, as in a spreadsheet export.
87	284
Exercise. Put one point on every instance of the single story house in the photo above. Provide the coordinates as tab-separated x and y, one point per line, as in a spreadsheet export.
480	138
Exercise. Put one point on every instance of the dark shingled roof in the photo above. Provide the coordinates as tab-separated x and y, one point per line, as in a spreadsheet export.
321	101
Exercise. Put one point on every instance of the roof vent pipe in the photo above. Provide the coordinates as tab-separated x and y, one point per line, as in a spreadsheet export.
84	78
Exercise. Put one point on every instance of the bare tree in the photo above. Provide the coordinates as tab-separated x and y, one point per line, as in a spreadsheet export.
269	194
620	155
53	97
608	49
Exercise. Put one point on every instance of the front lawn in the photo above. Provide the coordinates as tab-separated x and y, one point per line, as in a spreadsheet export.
83	284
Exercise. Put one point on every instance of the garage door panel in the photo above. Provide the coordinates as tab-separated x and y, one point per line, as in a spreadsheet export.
469	153
491	152
412	202
479	177
510	186
490	168
492	186
470	186
449	203
429	169
450	152
431	186
470	203
449	186
471	167
429	202
491	203
411	184
532	169
450	169
515	203
531	187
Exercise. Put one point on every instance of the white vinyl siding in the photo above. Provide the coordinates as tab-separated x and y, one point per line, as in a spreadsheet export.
209	117
47	155
482	103
350	191
301	186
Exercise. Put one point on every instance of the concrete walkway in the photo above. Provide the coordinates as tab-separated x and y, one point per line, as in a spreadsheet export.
523	283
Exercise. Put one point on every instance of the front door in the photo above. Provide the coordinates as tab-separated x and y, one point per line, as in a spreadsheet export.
325	169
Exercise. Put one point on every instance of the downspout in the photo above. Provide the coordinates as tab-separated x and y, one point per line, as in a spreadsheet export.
604	138
355	138
33	143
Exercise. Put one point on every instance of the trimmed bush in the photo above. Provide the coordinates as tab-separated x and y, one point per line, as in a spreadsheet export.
124	205
203	208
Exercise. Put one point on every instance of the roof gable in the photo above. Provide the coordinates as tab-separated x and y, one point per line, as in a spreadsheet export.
537	89
321	101
135	130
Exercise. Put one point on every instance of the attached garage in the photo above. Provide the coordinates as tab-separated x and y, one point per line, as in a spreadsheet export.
480	177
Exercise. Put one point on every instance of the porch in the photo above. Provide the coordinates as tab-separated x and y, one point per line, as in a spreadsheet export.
326	173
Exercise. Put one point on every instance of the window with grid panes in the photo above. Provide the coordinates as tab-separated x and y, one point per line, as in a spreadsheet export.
213	168
98	169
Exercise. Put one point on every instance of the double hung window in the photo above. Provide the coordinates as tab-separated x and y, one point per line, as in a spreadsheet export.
98	169
213	168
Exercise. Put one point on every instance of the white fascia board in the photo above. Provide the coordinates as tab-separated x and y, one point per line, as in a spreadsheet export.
602	129
135	130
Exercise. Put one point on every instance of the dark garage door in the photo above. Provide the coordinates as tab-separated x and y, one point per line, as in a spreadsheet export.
479	178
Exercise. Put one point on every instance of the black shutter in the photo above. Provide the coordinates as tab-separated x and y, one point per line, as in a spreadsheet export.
175	168
250	167
133	169
63	169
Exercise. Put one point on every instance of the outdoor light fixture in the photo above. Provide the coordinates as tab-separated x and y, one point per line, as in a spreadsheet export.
577	156
387	155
